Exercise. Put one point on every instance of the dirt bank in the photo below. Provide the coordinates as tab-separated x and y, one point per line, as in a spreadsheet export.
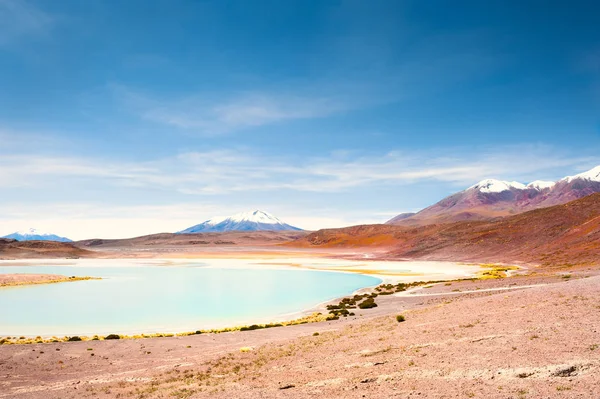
467	340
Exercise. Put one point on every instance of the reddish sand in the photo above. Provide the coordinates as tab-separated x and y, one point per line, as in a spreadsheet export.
486	339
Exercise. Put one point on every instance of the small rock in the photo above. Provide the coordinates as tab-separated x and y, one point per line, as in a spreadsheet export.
566	372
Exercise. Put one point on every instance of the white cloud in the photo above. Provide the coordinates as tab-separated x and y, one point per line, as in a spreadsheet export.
213	116
222	182
231	171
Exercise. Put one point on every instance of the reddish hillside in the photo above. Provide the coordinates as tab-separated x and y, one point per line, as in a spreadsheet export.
196	240
562	234
13	249
492	198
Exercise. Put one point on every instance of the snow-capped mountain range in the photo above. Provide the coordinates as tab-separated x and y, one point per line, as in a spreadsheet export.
246	221
493	198
36	235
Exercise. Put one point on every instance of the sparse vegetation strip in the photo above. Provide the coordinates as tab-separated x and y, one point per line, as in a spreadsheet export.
51	281
343	309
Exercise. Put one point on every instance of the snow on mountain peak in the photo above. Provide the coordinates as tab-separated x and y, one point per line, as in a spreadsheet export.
256	216
214	221
32	232
256	220
496	186
541	184
592	175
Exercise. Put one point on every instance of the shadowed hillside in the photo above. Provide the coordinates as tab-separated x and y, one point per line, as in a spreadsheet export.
562	234
10	249
199	240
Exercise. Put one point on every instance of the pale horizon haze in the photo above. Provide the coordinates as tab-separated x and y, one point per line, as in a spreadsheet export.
121	119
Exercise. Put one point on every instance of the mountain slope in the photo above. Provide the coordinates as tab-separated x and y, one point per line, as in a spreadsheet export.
173	242
245	221
13	249
400	217
495	198
558	235
36	235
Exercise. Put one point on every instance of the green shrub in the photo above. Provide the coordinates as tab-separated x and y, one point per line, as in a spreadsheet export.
112	336
400	318
250	328
74	339
340	312
367	304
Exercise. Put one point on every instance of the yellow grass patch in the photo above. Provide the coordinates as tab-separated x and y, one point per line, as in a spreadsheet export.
52	281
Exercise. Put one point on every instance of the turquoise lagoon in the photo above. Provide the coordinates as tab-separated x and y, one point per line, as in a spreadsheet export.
163	296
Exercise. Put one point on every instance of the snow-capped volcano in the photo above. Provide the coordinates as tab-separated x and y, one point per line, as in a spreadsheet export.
496	186
496	198
36	235
246	221
591	175
541	185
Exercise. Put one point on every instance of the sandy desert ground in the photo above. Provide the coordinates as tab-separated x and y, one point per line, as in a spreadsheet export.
534	336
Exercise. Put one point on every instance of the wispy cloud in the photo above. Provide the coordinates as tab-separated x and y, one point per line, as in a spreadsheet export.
171	193
19	18
369	83
228	171
237	111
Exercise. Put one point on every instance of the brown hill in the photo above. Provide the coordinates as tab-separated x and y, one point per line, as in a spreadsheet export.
13	249
199	240
563	234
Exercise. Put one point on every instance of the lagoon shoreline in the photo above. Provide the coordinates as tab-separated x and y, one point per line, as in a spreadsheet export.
121	366
394	272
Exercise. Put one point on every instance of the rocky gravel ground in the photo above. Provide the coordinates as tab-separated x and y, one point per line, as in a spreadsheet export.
522	337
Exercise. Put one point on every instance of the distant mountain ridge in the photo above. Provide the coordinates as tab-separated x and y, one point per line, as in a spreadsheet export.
560	235
492	198
246	221
36	235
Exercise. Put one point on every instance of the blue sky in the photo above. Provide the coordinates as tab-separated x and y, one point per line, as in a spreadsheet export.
122	118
